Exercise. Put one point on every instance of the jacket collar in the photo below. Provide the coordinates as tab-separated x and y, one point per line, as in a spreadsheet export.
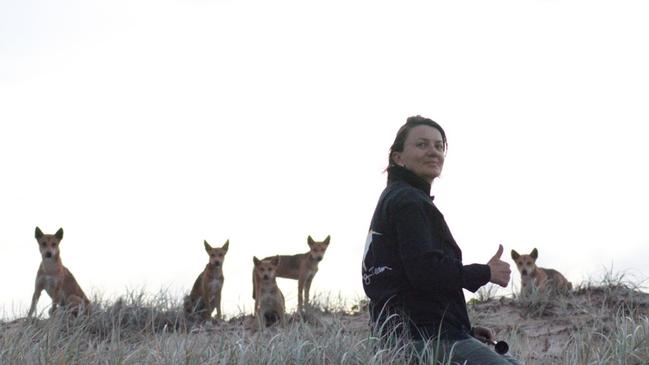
398	173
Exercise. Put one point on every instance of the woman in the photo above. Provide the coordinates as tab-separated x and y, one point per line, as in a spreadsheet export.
412	267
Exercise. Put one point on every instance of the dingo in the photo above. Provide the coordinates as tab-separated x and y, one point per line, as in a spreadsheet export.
533	276
56	279
206	293
269	300
302	267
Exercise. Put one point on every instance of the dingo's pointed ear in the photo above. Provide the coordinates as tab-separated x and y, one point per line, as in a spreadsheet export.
275	260
515	255
310	241
326	240
207	246
535	254
38	234
59	234
255	260
226	245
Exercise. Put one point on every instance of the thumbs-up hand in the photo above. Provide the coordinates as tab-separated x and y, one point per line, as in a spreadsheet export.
500	271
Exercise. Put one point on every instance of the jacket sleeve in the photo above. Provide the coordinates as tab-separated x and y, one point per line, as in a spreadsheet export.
475	276
426	265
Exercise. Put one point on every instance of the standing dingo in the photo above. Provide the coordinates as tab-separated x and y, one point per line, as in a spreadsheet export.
302	267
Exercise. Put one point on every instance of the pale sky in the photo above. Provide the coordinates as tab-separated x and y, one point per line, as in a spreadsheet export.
145	127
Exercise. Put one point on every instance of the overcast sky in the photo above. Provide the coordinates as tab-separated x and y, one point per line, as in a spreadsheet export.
145	127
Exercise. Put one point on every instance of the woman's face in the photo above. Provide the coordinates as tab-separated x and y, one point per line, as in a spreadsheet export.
423	152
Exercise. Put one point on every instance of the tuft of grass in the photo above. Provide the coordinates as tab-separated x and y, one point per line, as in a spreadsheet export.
542	304
486	293
626	341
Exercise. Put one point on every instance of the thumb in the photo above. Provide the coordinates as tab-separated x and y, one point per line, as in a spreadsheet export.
499	253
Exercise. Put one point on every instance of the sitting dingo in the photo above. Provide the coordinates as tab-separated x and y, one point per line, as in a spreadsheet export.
302	267
206	293
56	279
269	300
532	276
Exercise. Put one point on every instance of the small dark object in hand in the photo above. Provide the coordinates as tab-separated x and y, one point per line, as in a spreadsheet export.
501	346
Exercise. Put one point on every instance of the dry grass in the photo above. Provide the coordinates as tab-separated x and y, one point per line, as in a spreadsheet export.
138	329
599	322
604	323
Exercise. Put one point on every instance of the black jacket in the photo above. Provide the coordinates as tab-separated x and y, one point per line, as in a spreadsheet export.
412	265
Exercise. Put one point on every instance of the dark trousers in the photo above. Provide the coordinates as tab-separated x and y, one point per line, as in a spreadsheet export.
467	352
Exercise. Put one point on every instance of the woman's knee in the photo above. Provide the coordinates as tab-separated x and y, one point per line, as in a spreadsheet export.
473	351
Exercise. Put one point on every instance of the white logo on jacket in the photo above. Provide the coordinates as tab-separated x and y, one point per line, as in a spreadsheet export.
368	243
374	271
368	273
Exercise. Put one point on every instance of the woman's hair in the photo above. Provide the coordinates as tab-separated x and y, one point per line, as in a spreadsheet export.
403	132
